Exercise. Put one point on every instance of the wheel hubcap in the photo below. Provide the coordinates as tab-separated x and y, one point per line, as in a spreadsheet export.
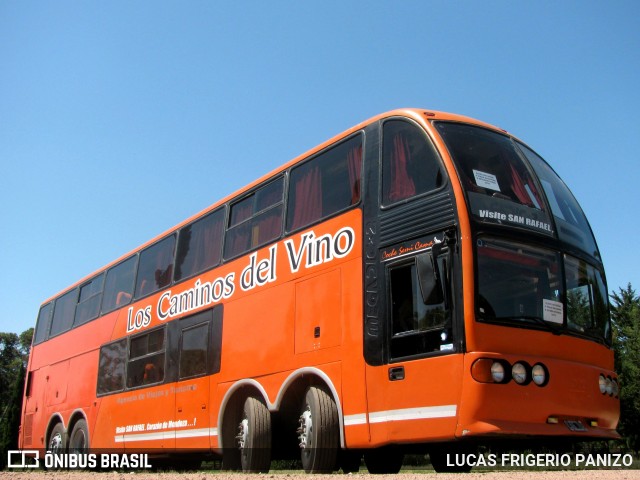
55	444
243	433
305	429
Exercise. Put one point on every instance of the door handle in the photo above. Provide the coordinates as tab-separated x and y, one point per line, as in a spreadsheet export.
396	373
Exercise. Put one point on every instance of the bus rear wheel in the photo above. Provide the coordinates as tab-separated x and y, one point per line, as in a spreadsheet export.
254	437
318	432
79	439
384	460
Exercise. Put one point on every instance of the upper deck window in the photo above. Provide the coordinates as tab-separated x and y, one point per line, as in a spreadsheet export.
63	313
200	245
118	288
410	163
499	185
255	220
156	267
326	184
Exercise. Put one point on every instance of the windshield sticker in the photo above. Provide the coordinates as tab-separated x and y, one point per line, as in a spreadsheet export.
552	311
486	180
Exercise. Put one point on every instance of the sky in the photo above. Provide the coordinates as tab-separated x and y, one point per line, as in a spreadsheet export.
120	119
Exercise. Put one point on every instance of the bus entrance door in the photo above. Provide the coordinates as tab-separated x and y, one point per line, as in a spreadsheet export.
192	389
413	395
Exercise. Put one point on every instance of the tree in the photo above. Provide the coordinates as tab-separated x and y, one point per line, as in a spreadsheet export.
625	316
14	355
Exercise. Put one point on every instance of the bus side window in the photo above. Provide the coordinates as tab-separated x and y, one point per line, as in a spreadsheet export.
193	351
416	328
89	300
118	288
63	313
155	269
200	245
410	164
111	367
146	359
42	327
326	184
255	220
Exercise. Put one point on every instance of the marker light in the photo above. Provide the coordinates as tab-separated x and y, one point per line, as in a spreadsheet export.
539	374
497	372
519	373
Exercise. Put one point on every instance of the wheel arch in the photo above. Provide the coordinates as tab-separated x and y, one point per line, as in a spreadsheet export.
76	415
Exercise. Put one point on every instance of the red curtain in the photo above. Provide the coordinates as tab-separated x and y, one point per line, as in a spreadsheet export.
401	184
308	198
354	164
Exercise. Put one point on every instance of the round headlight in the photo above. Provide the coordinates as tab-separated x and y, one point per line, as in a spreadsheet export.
609	385
539	374
519	373
602	383
616	387
497	372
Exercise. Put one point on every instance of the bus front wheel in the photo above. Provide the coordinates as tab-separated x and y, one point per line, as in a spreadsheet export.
56	443
318	432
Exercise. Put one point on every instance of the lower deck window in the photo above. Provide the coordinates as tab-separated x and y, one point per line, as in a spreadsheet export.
416	328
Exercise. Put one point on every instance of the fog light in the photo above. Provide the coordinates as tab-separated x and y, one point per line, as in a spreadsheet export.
519	373
497	372
539	374
602	383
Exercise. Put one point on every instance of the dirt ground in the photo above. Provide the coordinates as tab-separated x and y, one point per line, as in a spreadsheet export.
496	475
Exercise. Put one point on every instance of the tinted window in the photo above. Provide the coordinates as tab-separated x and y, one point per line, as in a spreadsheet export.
118	287
325	185
89	300
571	222
146	359
255	220
156	267
111	367
200	245
63	313
587	303
416	328
410	164
193	351
42	326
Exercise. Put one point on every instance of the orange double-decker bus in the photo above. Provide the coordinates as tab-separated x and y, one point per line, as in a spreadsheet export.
423	282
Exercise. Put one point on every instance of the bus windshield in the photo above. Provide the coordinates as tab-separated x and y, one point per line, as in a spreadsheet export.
500	187
522	284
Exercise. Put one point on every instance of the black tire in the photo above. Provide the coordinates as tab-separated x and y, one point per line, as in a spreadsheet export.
79	438
349	460
254	437
318	432
57	442
384	460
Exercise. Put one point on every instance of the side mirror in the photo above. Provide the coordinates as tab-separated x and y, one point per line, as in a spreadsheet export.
429	276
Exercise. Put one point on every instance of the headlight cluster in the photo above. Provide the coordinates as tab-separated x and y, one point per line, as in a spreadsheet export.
490	370
608	386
